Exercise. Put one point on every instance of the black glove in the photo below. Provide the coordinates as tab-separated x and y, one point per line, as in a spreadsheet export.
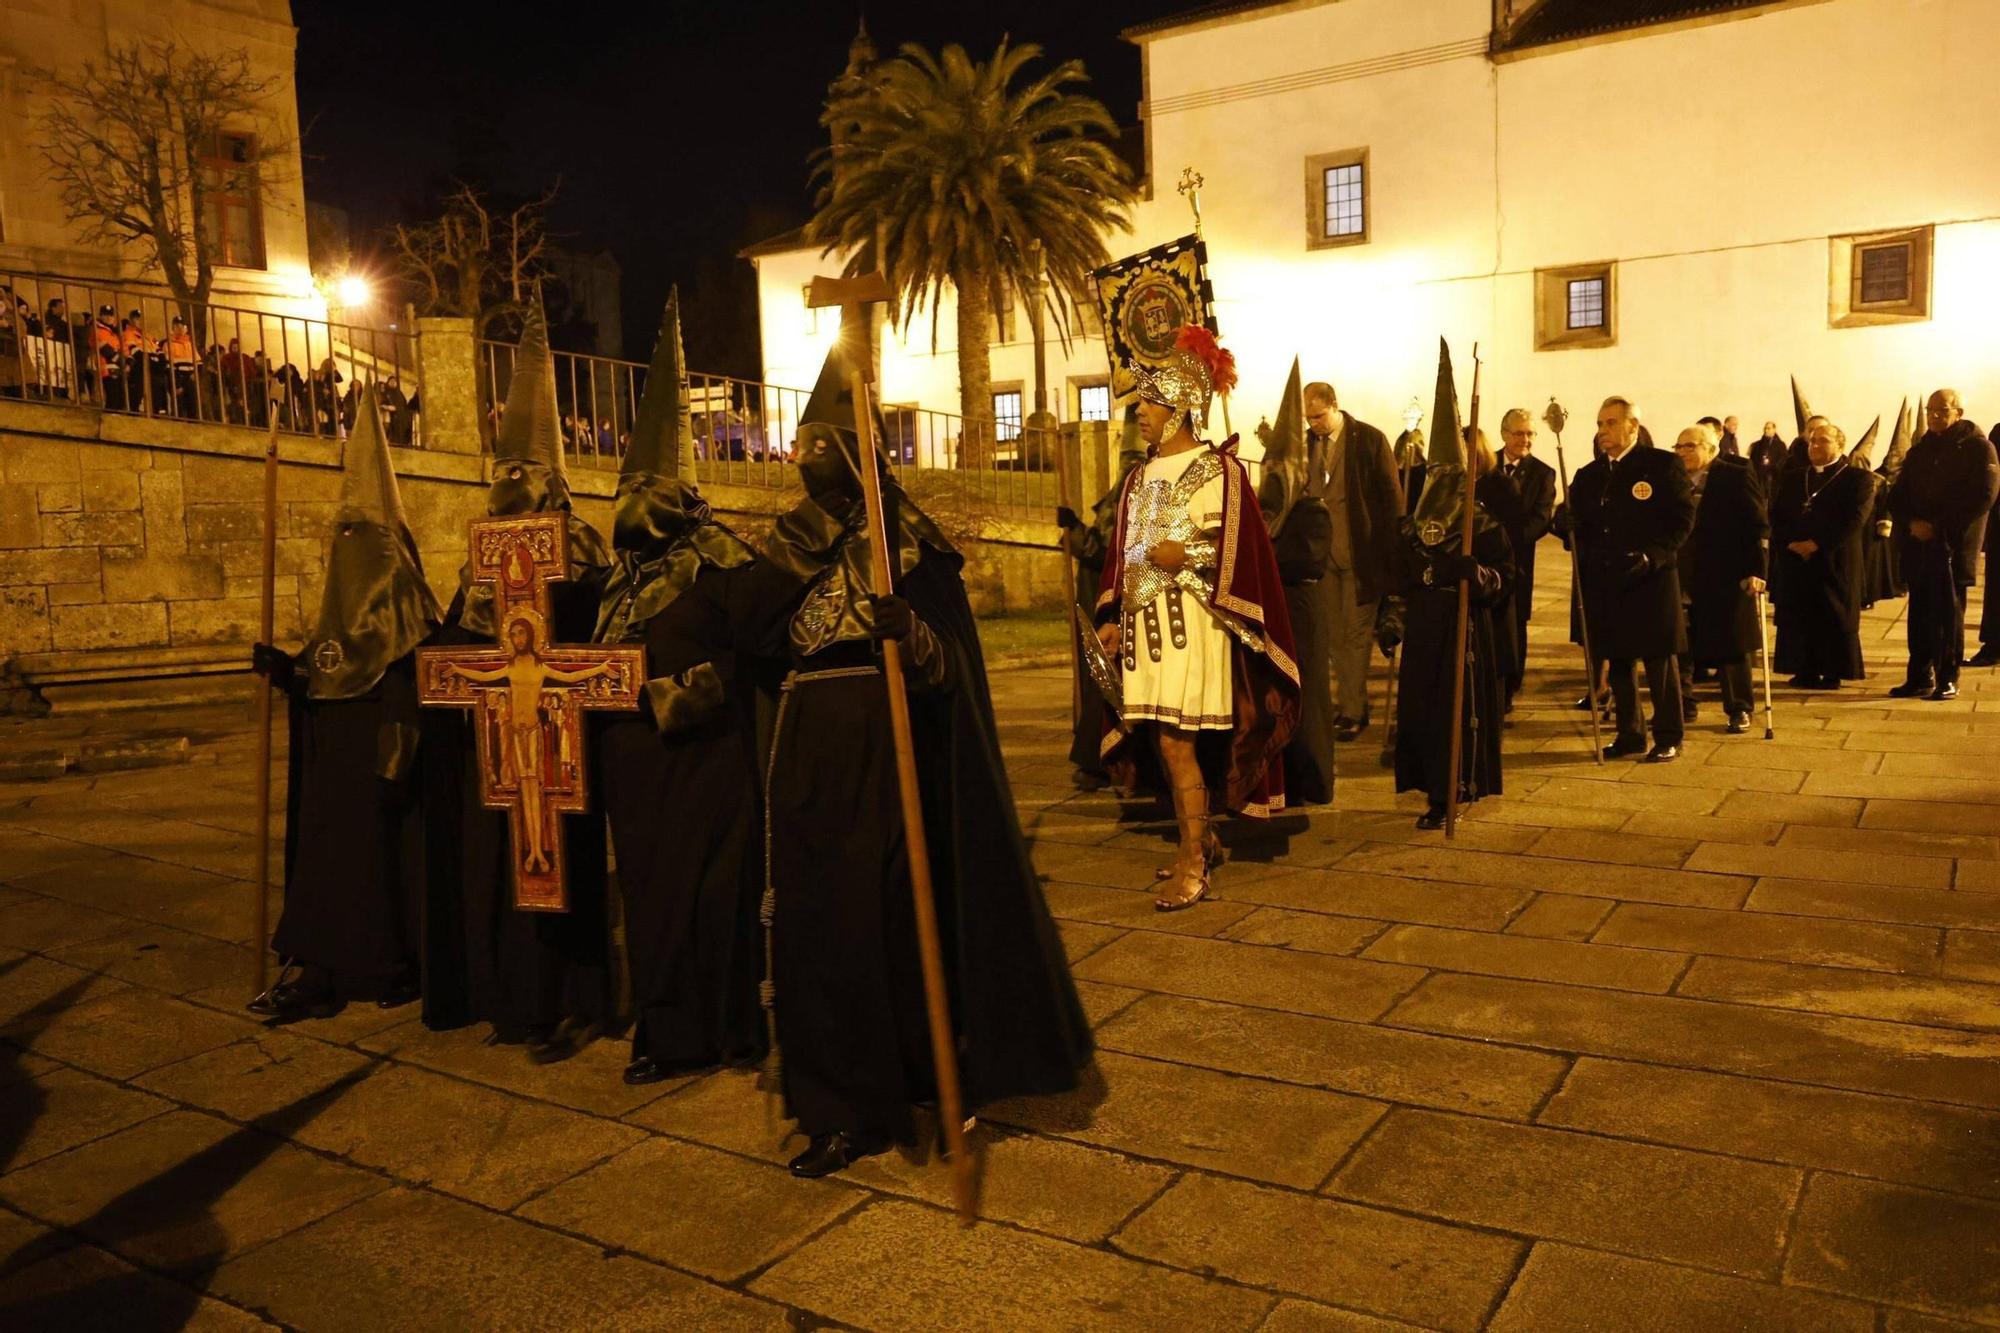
274	664
1066	518
1454	567
1639	567
893	618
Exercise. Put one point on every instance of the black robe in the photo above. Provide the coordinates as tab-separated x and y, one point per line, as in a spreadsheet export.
1818	598
354	839
686	824
484	961
847	989
1882	565
1424	684
1727	546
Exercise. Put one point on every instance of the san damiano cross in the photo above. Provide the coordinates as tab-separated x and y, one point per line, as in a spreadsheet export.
528	697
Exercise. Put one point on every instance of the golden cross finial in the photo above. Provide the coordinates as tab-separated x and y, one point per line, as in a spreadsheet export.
1190	186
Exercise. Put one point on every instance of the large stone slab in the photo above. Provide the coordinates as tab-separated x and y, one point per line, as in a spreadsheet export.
1607	793
163	959
1349	1057
1296	1316
1252	974
1627	848
1786	808
1771	936
1384	898
153	891
126	1033
900	1266
1560	916
1563	1289
1660	1203
1896	842
62	1108
1972	954
1878	867
1854	1053
1833	990
1878	902
412	1260
1429	1273
34	988
56	1284
1889	1138
46	925
1706	828
1310	932
461	1138
1129	909
185	1191
1538	959
589	1080
1253	1127
1899	1246
1945	817
266	1071
749	1213
1629	883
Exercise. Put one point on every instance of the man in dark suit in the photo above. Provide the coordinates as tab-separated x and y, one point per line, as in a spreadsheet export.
1349	466
1940	504
1989	618
1632	510
1767	455
1534	484
1722	570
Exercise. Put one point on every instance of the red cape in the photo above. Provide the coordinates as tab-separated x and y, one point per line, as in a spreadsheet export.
1264	685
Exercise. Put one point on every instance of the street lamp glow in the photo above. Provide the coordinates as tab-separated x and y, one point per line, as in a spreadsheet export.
354	290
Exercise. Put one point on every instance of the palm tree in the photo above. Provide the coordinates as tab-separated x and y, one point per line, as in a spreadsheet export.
945	174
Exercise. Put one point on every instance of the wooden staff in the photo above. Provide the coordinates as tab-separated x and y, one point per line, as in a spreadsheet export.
862	292
1556	418
267	613
1070	501
1458	701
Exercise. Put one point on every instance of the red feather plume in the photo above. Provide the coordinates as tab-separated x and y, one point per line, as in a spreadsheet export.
1220	360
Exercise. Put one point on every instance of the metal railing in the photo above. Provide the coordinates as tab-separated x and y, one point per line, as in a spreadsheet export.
745	431
140	352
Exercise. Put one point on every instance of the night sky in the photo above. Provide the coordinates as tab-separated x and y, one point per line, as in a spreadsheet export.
681	135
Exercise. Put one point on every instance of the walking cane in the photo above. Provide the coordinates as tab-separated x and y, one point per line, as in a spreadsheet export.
1389	735
1764	650
261	943
864	291
1557	418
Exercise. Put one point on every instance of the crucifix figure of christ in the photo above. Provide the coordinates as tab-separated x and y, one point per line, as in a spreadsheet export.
528	697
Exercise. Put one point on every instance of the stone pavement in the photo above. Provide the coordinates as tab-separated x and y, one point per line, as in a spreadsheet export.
1707	1046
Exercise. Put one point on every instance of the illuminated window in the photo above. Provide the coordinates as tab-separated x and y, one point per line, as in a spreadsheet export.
1586	303
1007	414
1576	306
1093	402
232	212
1879	277
1337	199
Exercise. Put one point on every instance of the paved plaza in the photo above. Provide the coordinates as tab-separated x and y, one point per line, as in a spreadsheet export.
1712	1045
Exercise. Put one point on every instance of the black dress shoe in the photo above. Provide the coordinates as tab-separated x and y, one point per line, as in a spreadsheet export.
644	1070
1948	690
828	1153
1690	710
1663	754
1623	746
1603	702
1348	728
1432	818
1910	689
1738	724
398	994
1988	655
288	1002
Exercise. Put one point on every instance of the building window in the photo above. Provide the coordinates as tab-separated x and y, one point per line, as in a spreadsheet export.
1093	402
1879	278
232	214
1576	306
1337	199
1007	414
1586	303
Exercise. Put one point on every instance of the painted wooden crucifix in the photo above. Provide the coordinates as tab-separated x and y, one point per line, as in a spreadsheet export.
528	696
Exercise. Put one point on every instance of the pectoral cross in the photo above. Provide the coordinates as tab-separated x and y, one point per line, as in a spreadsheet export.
528	696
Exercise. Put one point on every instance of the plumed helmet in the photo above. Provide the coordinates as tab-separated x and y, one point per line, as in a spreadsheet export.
1200	369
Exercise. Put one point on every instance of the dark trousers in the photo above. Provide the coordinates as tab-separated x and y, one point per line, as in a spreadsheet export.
1733	676
1936	622
1663	686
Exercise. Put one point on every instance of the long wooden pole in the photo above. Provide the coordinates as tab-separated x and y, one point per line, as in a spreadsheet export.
1458	700
944	1050
267	622
1070	501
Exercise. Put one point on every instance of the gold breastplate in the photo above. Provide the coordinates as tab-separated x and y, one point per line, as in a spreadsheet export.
1159	512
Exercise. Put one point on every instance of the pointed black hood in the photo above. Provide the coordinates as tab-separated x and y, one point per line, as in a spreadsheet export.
528	472
376	606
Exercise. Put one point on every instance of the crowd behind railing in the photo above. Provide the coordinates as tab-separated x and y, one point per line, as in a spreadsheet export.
144	354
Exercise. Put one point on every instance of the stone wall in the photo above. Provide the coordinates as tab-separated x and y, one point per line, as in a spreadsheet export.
132	547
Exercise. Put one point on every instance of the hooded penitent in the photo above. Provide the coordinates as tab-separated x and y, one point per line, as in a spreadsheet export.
376	606
1439	518
1801	410
1285	457
528	472
835	610
663	533
1899	443
1862	453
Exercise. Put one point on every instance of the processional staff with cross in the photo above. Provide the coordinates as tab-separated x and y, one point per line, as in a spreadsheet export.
528	697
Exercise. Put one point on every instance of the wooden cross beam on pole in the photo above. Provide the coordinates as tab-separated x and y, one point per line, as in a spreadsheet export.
872	289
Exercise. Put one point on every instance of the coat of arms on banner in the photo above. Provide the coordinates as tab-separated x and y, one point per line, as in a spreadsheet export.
1145	299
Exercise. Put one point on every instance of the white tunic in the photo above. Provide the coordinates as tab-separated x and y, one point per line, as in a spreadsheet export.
1182	683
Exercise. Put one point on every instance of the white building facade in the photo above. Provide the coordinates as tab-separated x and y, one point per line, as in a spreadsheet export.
1685	211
